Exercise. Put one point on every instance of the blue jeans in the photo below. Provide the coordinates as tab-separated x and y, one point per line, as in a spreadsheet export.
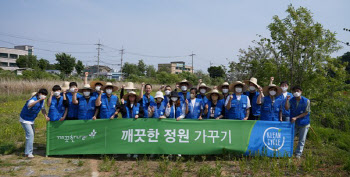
29	130
285	118
302	132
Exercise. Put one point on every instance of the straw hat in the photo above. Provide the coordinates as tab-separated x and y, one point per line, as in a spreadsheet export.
232	86
65	86
86	87
202	85
126	97
109	84
266	90
185	82
222	85
130	86
252	80
93	83
159	94
215	91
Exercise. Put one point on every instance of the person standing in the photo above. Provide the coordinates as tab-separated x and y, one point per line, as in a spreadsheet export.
238	104
253	95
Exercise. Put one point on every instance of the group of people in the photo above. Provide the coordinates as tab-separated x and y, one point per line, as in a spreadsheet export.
238	101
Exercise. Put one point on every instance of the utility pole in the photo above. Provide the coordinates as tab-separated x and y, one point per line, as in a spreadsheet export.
98	57
192	61
121	61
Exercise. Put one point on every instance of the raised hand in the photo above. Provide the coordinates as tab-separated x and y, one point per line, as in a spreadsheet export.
86	74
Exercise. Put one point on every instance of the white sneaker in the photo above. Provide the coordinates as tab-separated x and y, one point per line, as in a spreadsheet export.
128	155
30	156
179	155
135	156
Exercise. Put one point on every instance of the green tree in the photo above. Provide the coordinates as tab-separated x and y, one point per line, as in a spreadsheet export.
43	64
216	71
27	61
151	71
79	67
141	67
129	68
66	63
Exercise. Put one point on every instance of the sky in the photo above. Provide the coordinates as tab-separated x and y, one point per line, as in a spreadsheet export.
157	31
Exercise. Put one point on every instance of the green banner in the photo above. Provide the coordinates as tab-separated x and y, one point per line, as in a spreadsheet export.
148	136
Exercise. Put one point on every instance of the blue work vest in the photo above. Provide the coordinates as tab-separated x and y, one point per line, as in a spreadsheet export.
108	108
225	110
284	111
86	109
194	110
255	107
72	108
31	113
175	113
184	97
270	112
159	111
218	109
135	111
56	109
300	109
238	108
147	102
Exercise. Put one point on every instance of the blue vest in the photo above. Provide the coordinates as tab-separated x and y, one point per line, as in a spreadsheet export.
194	110
56	110
218	109
108	108
295	111
184	97
166	100
146	103
159	111
203	98
32	113
226	110
271	112
284	111
238	108
255	107
177	113
72	108
86	109
135	111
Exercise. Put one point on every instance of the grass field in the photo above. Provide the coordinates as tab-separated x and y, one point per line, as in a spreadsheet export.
327	153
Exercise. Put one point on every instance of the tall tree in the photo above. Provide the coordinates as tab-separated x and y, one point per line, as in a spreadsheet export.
66	63
216	71
141	66
43	64
27	61
79	67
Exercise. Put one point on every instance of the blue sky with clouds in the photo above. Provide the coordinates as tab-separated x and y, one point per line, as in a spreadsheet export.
213	30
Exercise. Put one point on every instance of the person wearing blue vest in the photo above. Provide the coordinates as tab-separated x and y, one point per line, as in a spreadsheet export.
215	107
253	94
57	105
108	103
128	88
285	93
72	108
271	104
167	91
224	89
175	109
87	103
203	90
300	110
147	99
194	106
237	104
158	110
130	108
28	114
184	95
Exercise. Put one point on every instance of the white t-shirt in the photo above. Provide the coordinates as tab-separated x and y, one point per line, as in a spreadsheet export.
28	121
193	103
238	98
285	94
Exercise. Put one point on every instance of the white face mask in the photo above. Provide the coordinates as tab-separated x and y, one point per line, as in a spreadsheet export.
224	90
128	90
252	88
272	93
98	88
296	94
72	89
183	88
42	96
108	91
284	89
174	99
86	94
167	92
238	90
203	90
159	99
56	93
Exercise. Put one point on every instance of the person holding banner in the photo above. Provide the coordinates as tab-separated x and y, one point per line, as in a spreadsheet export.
130	108
215	107
87	103
271	104
147	100
167	91
194	106
300	112
57	105
28	114
224	88
72	108
285	93
158	110
253	95
175	108
237	104
184	95
108	103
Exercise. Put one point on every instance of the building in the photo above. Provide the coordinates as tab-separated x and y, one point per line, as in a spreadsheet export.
104	71
176	67
8	56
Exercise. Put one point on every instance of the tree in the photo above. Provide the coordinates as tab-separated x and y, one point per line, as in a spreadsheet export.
66	63
79	67
129	68
165	69
150	71
43	64
216	71
27	61
141	67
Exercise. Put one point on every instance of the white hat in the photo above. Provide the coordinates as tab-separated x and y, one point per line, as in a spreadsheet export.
159	94
129	86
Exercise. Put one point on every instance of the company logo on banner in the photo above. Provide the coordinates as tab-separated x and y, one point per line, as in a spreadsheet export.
273	138
73	138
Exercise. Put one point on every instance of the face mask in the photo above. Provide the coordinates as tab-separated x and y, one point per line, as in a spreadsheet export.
159	99
56	93
272	93
252	88
284	89
193	96
128	90
183	88
98	88
108	91
86	94
167	92
42	96
72	89
224	90
174	99
238	90
296	94
203	90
